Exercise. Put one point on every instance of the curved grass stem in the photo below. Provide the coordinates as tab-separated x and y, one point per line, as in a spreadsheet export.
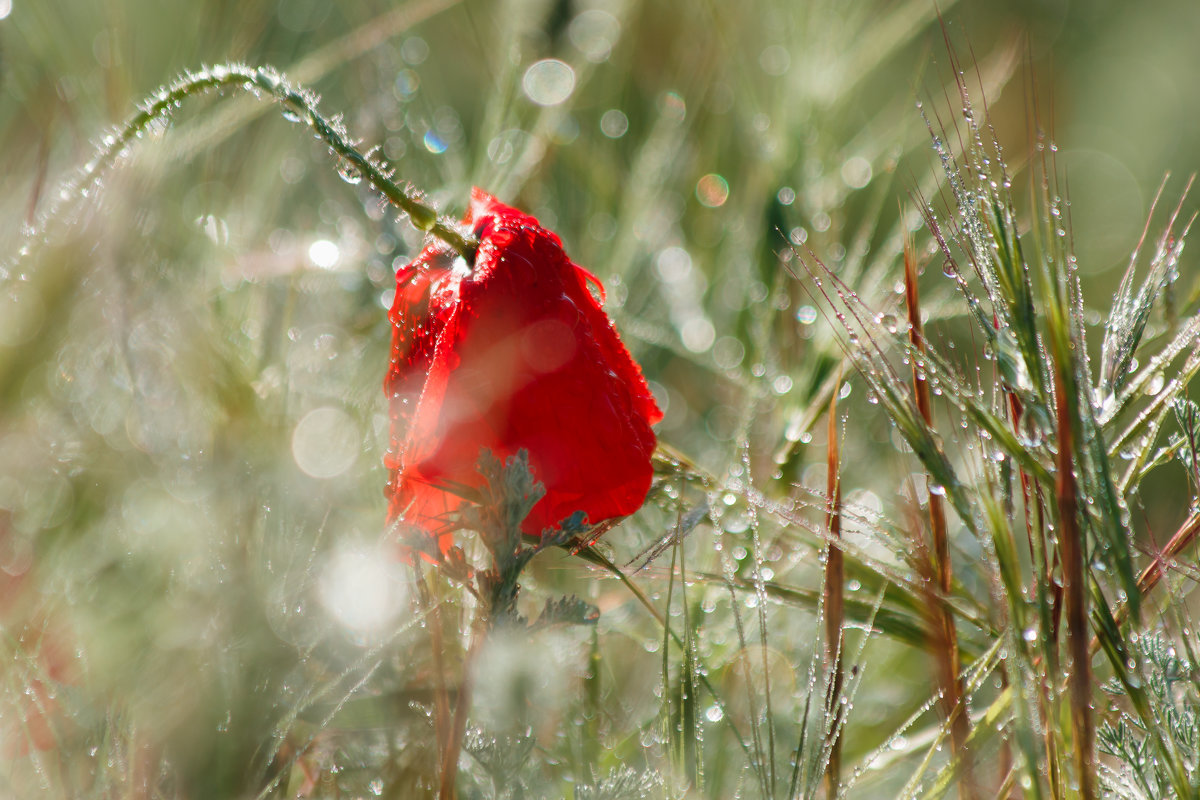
300	105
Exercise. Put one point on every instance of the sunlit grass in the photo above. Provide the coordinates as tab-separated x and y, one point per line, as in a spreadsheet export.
197	595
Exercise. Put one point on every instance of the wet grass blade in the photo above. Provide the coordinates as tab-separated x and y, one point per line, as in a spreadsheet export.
945	639
834	600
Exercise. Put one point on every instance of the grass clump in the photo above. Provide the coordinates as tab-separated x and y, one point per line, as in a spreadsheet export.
903	538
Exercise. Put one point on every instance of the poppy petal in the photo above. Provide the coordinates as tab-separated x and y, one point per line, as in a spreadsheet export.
513	354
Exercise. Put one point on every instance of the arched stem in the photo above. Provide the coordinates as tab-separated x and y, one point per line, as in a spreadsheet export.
301	106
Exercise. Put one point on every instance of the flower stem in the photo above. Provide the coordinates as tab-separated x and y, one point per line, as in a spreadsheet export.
301	106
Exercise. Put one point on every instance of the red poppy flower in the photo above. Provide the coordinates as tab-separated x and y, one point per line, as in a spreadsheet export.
514	353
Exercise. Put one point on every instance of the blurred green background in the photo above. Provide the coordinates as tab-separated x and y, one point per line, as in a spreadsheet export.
191	416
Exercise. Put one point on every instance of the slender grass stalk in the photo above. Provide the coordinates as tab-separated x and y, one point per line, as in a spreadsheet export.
945	641
441	695
448	789
1154	572
834	600
1071	546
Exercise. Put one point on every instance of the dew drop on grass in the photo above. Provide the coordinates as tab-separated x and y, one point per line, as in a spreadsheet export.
548	82
614	124
806	315
324	254
712	190
434	143
856	172
348	171
594	33
325	443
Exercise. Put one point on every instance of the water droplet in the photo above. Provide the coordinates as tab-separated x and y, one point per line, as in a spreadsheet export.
548	82
406	84
414	50
594	33
614	124
712	190
348	171
856	172
325	442
324	254
434	143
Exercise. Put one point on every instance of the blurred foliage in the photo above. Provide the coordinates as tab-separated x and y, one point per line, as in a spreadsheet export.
196	601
